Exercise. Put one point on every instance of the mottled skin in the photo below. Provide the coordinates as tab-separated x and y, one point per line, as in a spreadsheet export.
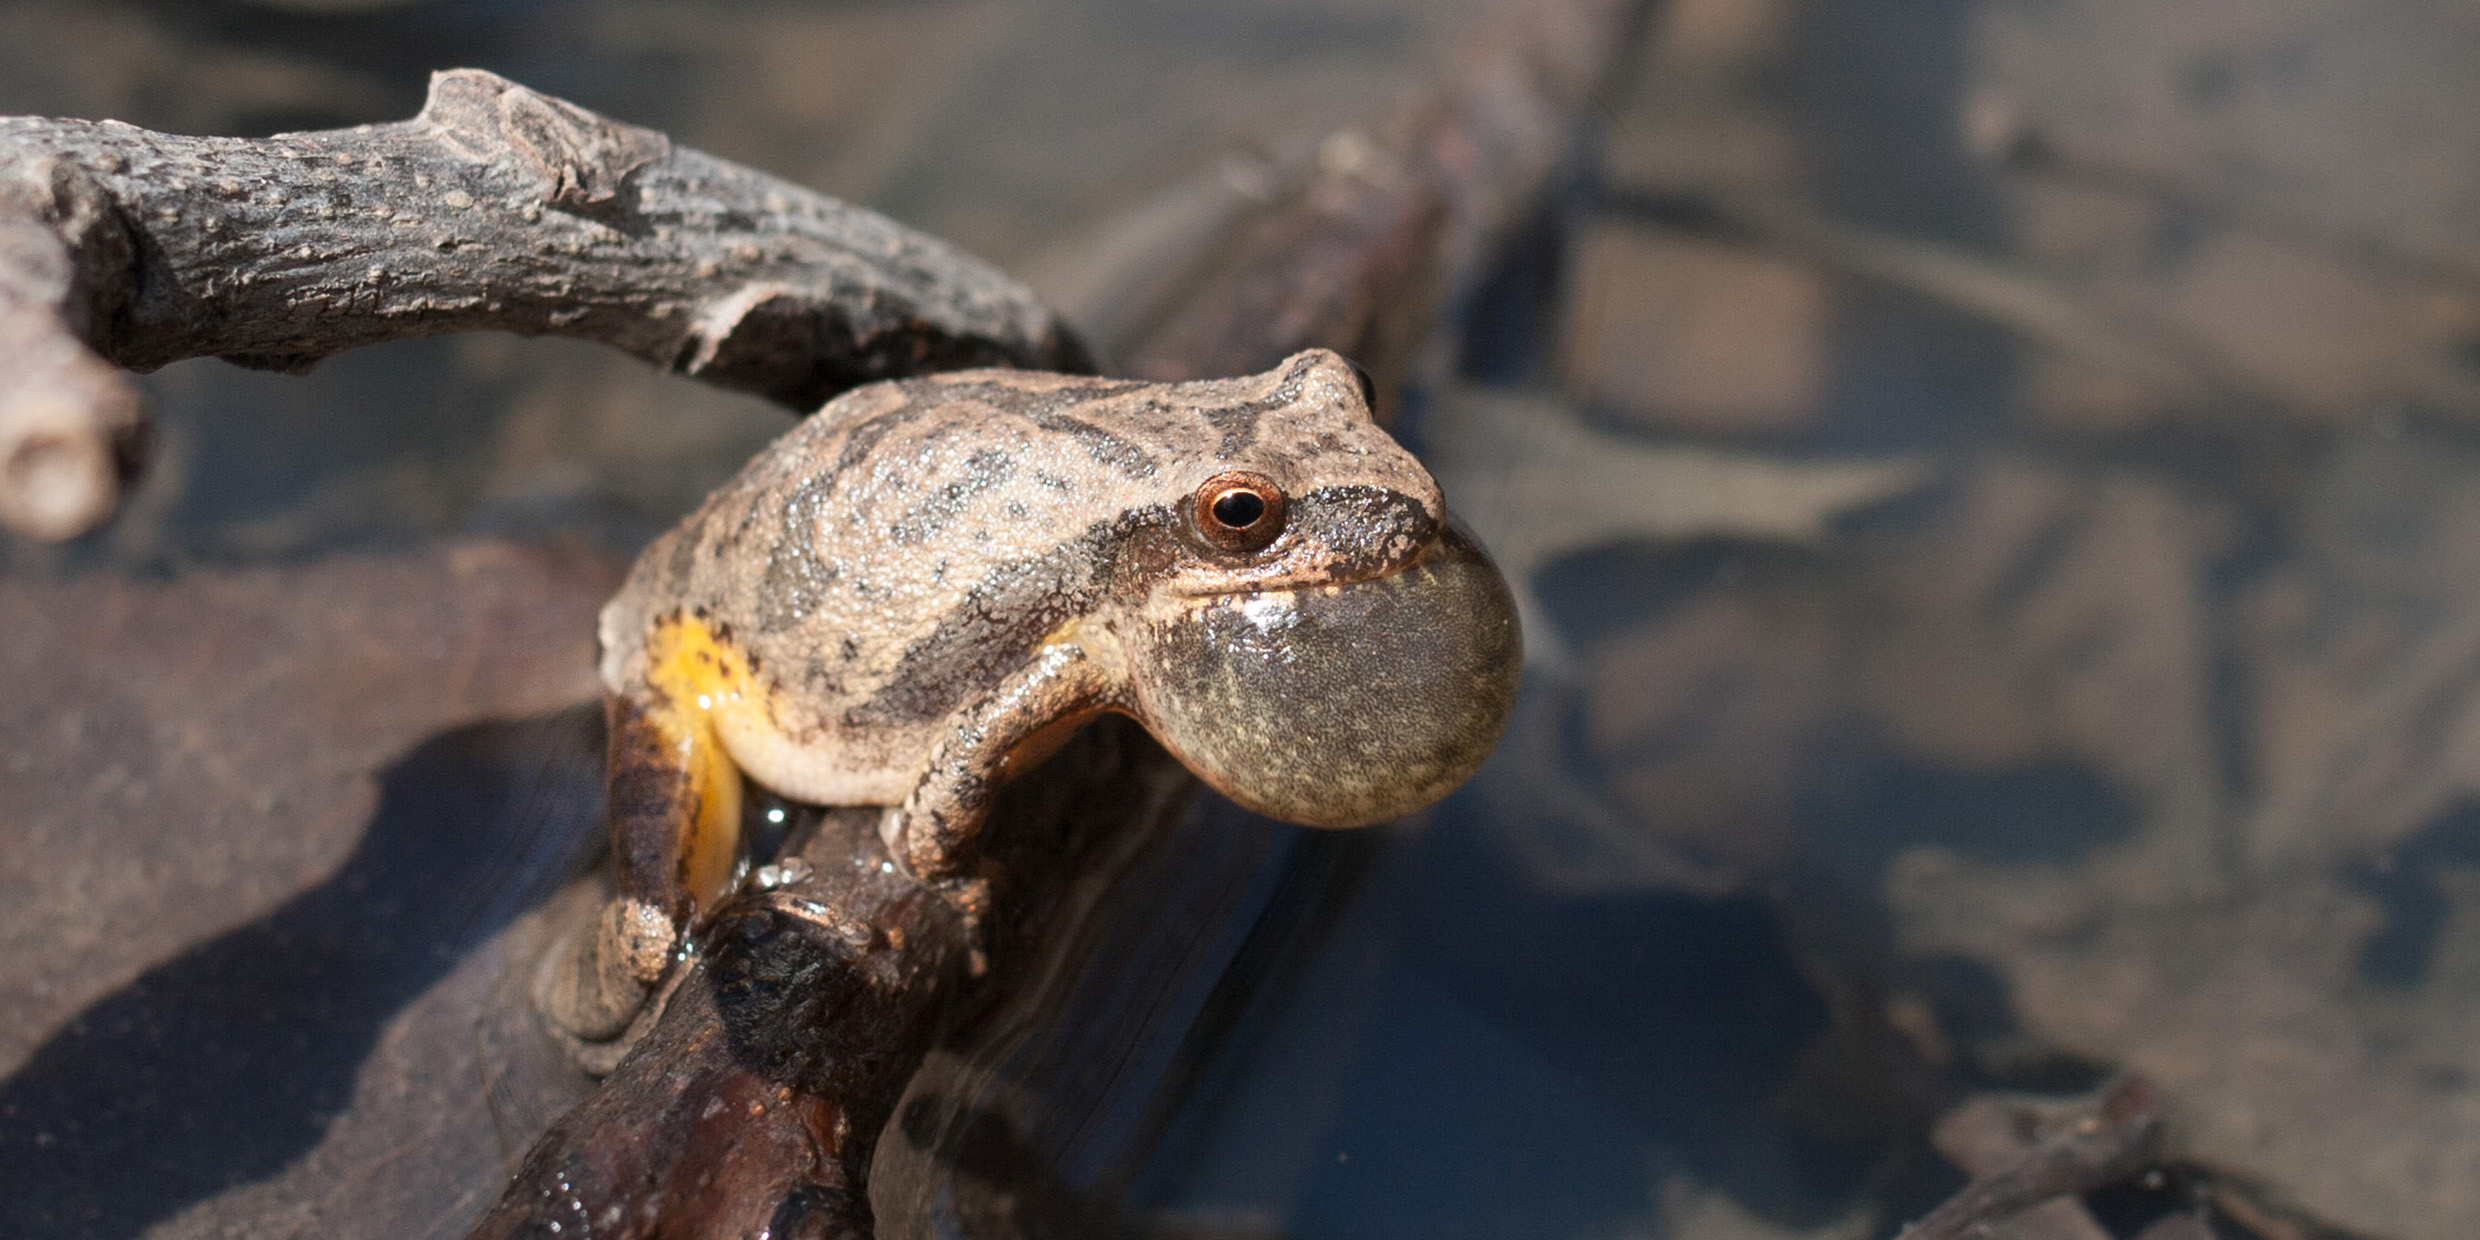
921	589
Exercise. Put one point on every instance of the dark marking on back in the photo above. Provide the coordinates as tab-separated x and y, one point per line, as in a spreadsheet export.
1238	423
860	442
797	577
987	635
1049	411
994	629
1098	443
983	470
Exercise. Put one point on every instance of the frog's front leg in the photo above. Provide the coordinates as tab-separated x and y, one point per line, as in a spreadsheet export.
675	836
1014	727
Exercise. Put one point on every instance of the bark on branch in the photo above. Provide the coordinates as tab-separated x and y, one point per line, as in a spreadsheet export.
495	208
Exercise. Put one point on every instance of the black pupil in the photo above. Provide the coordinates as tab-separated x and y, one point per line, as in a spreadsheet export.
1239	509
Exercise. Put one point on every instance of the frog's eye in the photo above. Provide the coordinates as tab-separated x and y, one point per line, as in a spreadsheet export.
1239	511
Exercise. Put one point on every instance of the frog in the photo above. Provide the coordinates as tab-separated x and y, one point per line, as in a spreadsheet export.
923	588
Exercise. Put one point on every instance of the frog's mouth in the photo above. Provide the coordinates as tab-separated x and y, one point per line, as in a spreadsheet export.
1340	705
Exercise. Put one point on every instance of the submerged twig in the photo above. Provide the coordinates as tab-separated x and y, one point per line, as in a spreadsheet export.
2143	347
2115	1139
1357	242
2005	294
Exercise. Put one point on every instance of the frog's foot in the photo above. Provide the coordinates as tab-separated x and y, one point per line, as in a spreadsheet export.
891	837
675	834
594	987
943	872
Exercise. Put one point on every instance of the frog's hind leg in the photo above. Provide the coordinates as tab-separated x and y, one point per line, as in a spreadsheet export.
675	836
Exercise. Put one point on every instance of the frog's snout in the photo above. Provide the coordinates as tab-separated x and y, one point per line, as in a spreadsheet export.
1340	706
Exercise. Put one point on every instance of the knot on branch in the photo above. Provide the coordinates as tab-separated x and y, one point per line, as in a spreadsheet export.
816	995
63	243
585	160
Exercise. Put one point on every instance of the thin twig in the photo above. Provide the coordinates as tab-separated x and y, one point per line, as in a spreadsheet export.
2117	1139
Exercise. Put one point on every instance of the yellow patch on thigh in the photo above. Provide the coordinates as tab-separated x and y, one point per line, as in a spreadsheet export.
701	682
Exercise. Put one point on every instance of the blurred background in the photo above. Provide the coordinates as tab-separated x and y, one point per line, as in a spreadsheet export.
1994	484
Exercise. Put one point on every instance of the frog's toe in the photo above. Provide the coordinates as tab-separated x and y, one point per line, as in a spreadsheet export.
595	984
971	898
891	832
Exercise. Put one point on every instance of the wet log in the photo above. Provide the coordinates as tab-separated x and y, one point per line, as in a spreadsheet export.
497	208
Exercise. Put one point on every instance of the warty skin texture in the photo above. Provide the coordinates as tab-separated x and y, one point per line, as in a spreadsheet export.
902	552
927	586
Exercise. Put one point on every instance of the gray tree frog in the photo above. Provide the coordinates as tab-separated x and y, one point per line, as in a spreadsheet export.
923	588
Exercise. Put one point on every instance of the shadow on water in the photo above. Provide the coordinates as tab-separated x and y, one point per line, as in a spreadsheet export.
223	1064
1532	1055
1870	807
1608	589
2408	880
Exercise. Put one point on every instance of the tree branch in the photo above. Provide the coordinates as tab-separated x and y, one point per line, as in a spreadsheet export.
755	1103
496	208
